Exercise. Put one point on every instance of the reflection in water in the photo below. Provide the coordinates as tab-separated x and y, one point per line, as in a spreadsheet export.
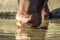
31	34
8	26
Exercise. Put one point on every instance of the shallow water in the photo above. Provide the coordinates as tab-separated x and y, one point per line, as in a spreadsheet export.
8	26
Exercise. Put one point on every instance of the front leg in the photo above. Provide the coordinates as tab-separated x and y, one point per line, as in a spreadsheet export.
45	17
20	30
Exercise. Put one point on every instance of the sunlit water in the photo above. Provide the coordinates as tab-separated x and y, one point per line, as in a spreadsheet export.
8	26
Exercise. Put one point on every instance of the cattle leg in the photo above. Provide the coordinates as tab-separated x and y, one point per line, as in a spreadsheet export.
45	16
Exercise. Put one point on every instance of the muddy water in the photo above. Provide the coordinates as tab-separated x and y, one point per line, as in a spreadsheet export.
8	26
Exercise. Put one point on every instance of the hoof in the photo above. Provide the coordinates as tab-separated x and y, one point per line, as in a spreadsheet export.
43	27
